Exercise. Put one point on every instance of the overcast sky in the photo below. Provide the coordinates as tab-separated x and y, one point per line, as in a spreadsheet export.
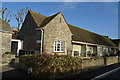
98	17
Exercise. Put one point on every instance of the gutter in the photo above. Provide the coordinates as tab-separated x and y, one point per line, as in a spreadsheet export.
5	31
91	44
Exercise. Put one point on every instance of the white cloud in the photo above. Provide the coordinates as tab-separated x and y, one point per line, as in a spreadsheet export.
52	14
68	5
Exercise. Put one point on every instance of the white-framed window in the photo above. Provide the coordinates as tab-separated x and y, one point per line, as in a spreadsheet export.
58	46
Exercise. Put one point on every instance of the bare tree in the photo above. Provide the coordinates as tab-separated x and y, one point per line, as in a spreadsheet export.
7	19
8	16
3	12
20	16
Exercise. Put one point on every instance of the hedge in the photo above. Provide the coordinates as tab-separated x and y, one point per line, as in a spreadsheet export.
49	66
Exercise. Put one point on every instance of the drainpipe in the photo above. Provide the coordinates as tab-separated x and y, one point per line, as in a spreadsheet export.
86	50
41	40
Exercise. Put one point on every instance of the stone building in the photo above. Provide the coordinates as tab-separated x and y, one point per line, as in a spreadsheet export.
117	43
5	36
53	35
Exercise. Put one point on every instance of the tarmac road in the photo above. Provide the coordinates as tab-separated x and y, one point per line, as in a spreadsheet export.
112	76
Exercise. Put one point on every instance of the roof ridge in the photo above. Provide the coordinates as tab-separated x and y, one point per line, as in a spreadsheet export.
54	14
36	13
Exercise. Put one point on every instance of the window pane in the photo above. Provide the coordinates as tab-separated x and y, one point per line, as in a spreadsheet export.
62	46
62	49
58	47
58	42
55	48
55	45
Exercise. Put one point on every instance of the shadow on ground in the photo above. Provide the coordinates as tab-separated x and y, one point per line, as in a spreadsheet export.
15	74
11	72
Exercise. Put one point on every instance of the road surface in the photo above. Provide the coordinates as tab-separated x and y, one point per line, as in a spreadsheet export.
111	75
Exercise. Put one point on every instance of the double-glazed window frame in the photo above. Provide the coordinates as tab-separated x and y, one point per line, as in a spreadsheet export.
59	46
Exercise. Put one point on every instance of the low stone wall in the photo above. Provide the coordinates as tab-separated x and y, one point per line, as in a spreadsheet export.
98	62
7	62
92	63
7	58
86	64
112	60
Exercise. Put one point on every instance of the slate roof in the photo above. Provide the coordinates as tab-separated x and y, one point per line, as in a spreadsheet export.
82	35
79	34
48	19
116	41
39	18
5	26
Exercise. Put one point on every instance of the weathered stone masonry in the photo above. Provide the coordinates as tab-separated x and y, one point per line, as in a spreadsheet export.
5	36
57	29
6	42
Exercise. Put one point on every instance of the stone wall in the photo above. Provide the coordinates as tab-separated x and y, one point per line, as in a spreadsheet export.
90	63
112	60
85	65
6	42
98	62
57	29
7	58
0	42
